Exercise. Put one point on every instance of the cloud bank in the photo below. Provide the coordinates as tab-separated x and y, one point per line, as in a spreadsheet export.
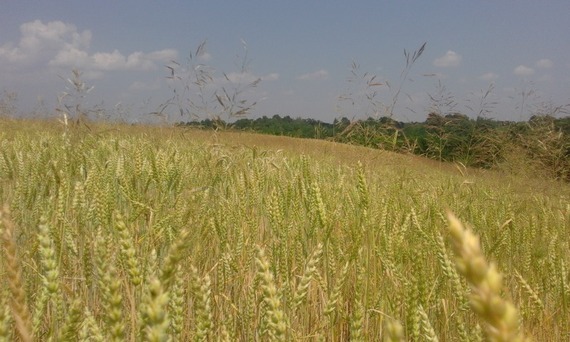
544	63
489	76
449	60
523	70
62	45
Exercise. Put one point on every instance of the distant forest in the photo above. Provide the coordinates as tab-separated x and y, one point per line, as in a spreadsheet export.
542	143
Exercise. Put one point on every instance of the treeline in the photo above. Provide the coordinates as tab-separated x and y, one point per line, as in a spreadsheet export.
541	144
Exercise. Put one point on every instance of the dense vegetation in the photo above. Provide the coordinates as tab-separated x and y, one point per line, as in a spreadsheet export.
117	233
543	141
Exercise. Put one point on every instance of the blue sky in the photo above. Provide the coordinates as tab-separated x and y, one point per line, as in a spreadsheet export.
301	50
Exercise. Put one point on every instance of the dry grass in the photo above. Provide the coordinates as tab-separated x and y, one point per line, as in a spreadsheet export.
120	232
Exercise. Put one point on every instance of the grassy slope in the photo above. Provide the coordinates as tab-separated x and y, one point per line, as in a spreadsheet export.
345	246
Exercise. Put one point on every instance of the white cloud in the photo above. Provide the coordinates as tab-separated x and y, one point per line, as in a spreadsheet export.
544	63
205	56
489	76
110	61
60	44
523	70
39	41
450	59
163	55
317	75
71	55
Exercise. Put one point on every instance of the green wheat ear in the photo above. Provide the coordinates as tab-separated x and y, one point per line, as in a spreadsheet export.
154	315
277	320
394	332
310	270
500	316
4	318
128	251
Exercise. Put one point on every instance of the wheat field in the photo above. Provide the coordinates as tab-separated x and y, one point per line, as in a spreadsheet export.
122	233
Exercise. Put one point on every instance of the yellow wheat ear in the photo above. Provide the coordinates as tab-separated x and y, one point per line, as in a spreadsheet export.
500	316
18	302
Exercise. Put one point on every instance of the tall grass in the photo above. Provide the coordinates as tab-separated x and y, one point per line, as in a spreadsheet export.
165	234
